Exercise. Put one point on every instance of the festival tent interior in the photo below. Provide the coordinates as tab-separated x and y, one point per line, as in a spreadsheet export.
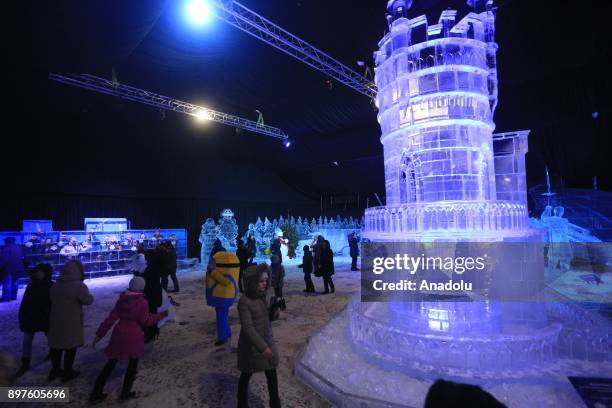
478	124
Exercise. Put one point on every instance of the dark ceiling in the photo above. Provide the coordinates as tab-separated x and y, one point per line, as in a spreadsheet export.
553	71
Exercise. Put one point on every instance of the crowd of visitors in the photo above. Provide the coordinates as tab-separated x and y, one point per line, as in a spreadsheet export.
56	308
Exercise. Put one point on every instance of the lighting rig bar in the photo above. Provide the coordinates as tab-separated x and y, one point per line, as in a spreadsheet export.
259	27
108	87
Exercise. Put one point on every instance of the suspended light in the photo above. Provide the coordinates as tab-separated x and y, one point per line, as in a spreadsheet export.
199	12
203	115
287	143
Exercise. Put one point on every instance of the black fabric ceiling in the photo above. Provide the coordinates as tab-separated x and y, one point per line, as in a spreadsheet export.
553	72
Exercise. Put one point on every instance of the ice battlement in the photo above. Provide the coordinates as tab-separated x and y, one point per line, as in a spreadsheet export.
445	171
413	49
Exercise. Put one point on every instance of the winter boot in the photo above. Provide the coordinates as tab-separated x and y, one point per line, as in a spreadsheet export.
128	381
54	373
56	358
69	373
127	396
25	367
97	397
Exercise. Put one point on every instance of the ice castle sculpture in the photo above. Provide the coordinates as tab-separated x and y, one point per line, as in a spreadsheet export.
448	179
445	172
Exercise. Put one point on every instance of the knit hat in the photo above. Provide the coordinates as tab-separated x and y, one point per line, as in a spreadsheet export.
137	284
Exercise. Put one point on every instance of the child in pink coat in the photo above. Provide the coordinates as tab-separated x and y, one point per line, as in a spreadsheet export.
127	340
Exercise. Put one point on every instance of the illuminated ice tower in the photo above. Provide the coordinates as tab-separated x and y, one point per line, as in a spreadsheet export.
446	173
450	180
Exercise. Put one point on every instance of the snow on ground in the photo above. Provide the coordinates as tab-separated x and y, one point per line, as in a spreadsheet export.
183	367
572	284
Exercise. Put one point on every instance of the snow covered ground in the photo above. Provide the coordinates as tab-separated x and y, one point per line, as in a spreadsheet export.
183	367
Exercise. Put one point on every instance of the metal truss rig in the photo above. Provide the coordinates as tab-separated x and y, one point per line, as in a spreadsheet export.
108	87
259	27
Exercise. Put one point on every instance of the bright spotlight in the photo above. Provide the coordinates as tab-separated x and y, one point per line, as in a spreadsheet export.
203	115
199	12
288	143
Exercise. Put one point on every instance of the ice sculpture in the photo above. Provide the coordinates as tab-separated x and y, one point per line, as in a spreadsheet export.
335	230
559	250
208	234
227	230
249	233
448	179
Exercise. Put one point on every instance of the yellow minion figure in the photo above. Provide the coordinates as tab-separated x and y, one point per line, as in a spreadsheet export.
222	290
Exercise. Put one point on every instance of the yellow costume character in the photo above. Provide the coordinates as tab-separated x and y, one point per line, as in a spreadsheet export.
222	290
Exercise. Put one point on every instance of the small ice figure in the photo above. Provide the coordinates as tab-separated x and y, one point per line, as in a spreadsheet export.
207	238
227	231
559	254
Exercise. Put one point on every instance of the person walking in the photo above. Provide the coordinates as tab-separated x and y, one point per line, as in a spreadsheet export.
222	290
243	255
153	289
277	274
127	339
317	248
217	247
354	250
66	331
306	266
171	267
326	266
257	350
34	311
251	246
275	249
11	268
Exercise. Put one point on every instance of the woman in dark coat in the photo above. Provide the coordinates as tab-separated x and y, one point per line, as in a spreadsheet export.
317	248
153	289
251	246
307	267
326	266
275	249
66	325
256	345
34	311
170	266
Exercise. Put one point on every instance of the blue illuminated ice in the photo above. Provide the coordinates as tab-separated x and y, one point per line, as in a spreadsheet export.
449	178
227	230
208	234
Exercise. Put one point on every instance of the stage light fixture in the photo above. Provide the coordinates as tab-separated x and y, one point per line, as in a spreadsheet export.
203	115
199	12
